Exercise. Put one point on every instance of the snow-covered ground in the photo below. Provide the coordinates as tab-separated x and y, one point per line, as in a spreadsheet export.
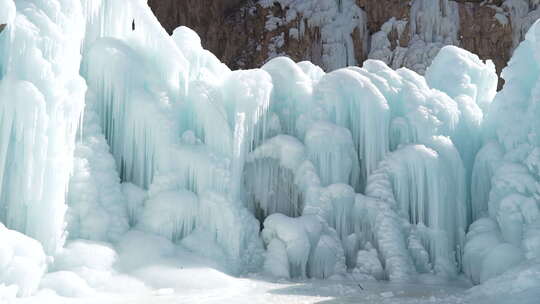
160	272
258	290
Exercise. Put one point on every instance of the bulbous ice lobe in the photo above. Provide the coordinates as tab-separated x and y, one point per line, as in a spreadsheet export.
22	261
7	11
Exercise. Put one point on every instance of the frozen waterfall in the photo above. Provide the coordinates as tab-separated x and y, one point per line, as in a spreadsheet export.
109	127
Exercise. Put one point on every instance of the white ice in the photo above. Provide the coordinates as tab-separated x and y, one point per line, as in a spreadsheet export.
135	165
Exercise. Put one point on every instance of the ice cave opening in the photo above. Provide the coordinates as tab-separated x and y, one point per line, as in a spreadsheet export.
127	154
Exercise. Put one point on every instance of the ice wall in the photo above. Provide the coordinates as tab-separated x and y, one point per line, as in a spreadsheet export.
416	211
286	168
179	124
41	101
505	176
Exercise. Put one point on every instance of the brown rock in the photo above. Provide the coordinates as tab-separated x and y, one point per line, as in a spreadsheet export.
379	11
482	34
235	30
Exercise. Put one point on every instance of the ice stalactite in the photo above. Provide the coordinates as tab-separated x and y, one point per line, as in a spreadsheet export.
483	171
363	169
41	102
416	226
97	205
353	102
292	93
300	247
247	99
505	177
234	229
270	177
179	128
473	85
331	150
377	223
426	198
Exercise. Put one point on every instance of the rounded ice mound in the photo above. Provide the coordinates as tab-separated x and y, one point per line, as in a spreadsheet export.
331	149
22	261
171	214
533	37
82	254
315	72
289	246
7	12
66	284
499	260
187	39
456	71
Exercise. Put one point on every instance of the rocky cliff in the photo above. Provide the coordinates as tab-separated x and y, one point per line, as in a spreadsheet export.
335	33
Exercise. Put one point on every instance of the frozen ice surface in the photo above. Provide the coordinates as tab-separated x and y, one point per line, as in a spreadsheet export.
173	178
41	102
22	262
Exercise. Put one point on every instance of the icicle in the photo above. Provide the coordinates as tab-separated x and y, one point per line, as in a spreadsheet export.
353	102
411	178
331	150
41	101
270	176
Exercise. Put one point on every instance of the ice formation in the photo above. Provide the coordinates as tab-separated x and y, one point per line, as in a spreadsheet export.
505	176
433	24
41	103
338	20
284	169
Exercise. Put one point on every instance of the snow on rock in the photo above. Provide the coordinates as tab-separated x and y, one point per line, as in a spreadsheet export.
523	14
433	24
337	21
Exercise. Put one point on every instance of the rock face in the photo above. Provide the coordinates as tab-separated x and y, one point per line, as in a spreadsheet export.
334	33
